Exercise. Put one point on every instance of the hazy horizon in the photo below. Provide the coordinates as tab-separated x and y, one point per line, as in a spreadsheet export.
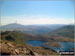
37	12
37	24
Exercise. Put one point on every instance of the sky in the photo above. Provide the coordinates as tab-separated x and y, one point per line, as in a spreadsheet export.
37	12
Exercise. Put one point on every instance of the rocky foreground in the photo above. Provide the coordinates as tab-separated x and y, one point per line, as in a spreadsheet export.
10	48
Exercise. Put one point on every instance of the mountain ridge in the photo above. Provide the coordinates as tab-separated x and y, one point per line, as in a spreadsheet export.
65	31
32	29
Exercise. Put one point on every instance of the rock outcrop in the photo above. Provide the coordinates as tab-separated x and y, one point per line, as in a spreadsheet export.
13	49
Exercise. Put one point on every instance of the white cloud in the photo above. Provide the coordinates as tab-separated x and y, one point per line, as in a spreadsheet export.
28	20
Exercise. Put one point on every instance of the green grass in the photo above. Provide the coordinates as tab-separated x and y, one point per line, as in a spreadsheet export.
13	36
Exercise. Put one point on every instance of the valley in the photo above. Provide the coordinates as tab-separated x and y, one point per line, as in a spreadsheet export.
43	41
37	28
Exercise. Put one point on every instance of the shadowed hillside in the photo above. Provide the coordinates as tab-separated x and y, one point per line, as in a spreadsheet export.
66	31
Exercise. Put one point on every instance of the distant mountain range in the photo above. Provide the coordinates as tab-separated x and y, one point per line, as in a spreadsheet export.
32	29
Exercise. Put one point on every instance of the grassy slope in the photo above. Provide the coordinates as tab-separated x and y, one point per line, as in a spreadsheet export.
15	36
66	31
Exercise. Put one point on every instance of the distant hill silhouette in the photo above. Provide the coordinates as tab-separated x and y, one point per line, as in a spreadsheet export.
66	31
13	26
32	29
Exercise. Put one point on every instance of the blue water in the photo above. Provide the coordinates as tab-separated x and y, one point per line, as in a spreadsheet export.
65	46
36	42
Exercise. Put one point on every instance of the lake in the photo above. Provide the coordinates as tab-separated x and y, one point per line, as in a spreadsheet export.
65	46
36	42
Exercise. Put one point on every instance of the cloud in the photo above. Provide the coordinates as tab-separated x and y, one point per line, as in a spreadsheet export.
28	20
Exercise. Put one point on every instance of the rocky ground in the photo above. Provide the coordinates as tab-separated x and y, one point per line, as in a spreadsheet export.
10	48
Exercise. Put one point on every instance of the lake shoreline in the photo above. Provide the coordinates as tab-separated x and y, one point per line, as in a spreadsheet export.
43	43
